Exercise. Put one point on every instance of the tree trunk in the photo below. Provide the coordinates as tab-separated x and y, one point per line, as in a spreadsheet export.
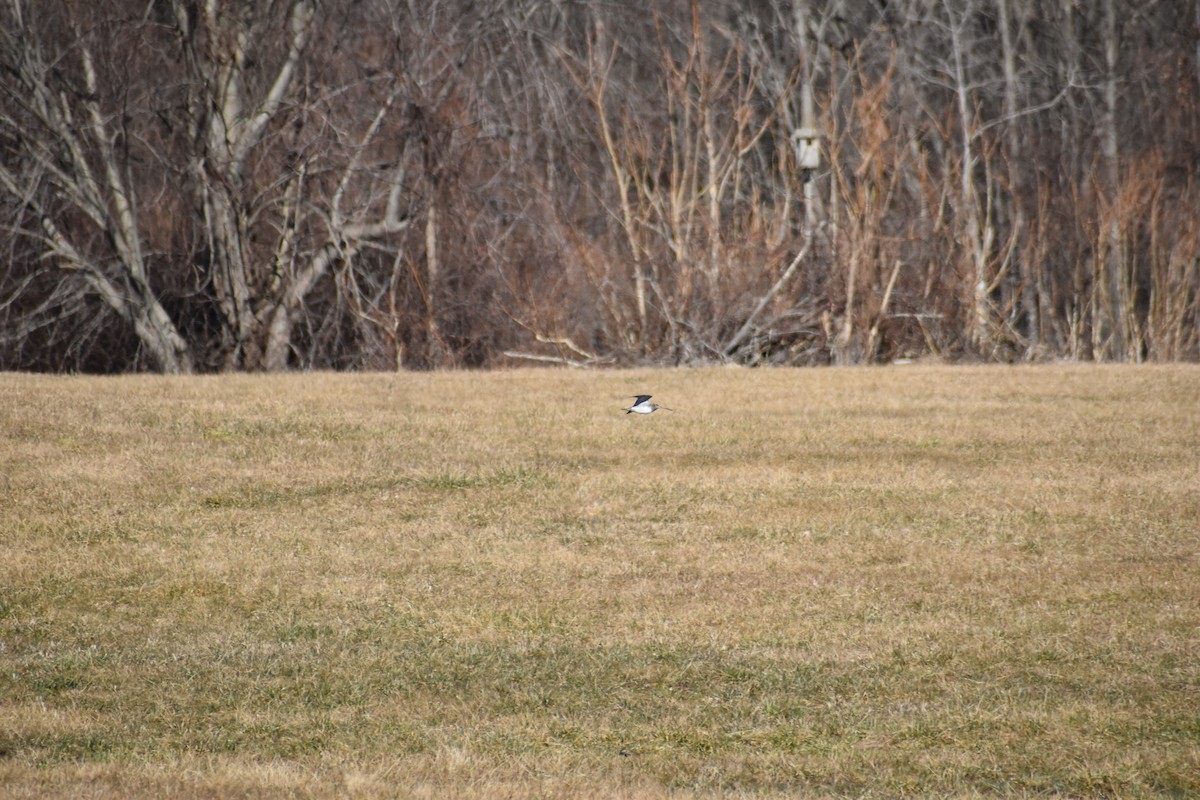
1109	320
977	233
1028	284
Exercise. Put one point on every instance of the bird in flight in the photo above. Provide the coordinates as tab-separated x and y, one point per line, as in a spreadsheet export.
642	405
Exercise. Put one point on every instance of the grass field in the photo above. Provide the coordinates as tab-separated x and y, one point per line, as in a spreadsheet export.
877	582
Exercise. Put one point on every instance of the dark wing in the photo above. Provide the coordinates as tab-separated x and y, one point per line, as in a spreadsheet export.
638	399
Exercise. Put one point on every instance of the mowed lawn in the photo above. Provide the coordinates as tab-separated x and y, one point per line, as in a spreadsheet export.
876	582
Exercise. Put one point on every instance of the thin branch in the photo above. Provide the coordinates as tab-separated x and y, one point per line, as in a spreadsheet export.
748	326
252	127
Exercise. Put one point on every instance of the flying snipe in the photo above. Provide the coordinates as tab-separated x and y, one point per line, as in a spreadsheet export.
642	405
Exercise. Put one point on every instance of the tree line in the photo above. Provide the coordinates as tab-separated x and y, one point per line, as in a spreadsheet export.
215	185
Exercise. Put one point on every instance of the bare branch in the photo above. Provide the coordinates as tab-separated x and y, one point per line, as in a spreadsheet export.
748	325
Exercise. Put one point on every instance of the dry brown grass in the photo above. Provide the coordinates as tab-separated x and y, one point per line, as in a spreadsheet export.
867	582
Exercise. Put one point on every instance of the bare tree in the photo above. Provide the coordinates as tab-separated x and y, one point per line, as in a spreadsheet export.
216	185
70	164
228	114
265	251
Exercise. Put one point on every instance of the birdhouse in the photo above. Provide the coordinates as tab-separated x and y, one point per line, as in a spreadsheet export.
807	142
